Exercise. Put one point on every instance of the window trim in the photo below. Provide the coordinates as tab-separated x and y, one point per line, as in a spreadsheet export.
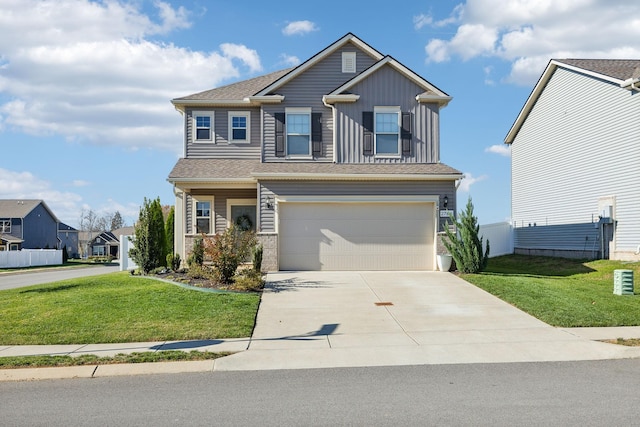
300	111
386	110
247	116
194	131
3	226
241	202
194	217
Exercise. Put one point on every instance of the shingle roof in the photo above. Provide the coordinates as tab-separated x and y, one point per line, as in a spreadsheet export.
237	91
621	69
244	170
15	208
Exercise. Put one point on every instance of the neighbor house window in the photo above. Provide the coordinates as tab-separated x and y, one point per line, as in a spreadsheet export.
298	123
5	226
13	247
202	126
387	131
239	126
202	223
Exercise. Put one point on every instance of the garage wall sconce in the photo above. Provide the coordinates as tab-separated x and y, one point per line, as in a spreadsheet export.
445	202
269	202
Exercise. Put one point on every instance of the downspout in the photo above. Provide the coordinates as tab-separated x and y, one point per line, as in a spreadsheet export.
335	130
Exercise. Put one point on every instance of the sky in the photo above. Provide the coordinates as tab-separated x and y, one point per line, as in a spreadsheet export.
86	120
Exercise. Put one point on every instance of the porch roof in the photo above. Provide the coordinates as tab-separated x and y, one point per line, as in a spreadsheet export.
236	170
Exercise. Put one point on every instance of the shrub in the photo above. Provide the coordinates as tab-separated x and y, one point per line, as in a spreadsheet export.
197	271
229	249
465	246
257	258
173	261
197	253
248	280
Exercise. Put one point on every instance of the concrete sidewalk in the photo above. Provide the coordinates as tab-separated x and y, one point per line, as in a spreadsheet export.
351	319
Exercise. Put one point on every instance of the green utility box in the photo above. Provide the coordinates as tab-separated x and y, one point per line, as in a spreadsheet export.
623	282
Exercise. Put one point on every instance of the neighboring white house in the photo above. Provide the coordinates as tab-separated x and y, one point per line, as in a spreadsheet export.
575	150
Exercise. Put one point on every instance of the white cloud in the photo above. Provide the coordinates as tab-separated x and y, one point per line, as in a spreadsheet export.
25	185
469	180
422	20
501	149
80	183
299	28
528	33
90	73
289	60
248	56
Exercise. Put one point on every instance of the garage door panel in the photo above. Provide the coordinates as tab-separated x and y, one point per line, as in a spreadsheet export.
356	236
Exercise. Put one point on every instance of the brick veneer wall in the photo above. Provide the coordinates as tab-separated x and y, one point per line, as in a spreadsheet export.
269	243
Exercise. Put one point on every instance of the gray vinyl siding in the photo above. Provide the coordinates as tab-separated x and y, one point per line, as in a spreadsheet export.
583	238
220	198
306	90
219	146
389	88
578	145
331	188
40	230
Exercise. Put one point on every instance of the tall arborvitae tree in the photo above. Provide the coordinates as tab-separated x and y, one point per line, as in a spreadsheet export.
169	230
465	246
116	221
149	241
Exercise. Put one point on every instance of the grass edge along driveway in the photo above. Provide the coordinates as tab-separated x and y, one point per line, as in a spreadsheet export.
117	307
562	292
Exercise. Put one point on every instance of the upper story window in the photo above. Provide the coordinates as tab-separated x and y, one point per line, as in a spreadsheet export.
239	126
387	131
348	62
202	222
202	125
298	123
5	226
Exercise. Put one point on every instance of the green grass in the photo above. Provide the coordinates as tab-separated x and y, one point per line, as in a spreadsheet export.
91	359
562	292
120	308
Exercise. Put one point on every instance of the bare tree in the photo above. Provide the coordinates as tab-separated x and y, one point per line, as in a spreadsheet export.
89	225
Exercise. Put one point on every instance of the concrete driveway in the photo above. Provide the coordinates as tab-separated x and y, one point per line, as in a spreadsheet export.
333	319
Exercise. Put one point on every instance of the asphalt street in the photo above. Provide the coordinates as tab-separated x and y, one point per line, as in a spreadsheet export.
525	394
19	280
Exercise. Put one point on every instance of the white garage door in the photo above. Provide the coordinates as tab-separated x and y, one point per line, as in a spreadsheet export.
356	236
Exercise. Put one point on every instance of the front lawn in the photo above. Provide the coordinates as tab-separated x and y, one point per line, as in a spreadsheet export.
120	308
562	292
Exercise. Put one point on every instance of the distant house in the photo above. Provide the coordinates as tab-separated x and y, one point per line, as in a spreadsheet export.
576	161
27	224
68	237
107	243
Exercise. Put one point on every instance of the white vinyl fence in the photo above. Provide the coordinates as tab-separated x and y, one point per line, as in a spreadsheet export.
30	258
500	236
126	263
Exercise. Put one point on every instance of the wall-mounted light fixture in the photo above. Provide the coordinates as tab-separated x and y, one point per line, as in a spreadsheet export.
445	202
269	202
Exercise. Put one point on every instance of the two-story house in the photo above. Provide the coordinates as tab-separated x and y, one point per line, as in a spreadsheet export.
575	161
27	224
334	163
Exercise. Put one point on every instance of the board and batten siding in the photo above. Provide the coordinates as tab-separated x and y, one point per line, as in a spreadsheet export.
577	146
387	87
307	90
219	146
273	189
